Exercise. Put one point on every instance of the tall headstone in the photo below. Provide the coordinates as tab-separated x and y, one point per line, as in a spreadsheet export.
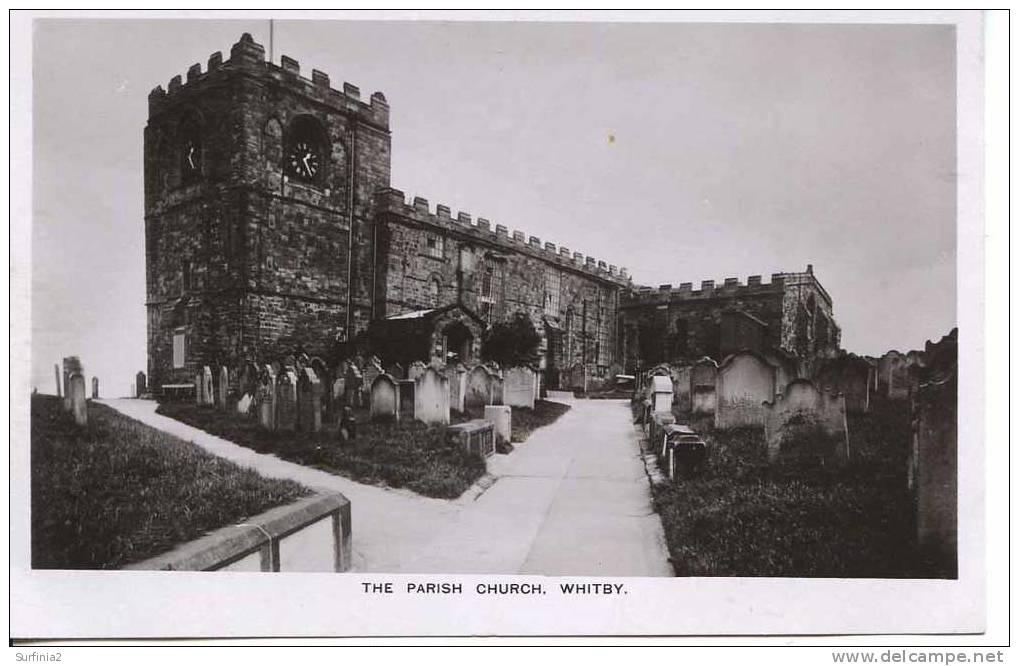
501	418
519	387
849	375
199	388
804	421
267	398
222	387
208	389
56	376
456	373
431	397
72	365
286	400
309	401
743	383
661	394
407	400
681	388
479	389
95	388
702	386
140	384
354	385
385	398
79	407
371	371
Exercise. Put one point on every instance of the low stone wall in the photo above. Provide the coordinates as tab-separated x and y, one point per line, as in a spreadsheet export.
310	535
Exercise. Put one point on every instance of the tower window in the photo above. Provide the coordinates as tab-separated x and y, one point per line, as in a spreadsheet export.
553	286
434	246
433	292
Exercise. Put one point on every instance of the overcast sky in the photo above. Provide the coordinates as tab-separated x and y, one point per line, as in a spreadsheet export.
683	151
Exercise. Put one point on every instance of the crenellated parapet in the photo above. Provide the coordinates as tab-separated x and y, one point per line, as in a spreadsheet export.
641	296
393	202
247	58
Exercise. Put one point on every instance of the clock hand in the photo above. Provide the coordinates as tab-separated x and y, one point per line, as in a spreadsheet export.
191	152
305	160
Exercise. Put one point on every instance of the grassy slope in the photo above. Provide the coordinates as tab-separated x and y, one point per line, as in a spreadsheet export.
119	491
741	517
402	455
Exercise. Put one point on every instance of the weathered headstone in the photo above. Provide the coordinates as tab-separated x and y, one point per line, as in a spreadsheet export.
456	373
339	395
849	375
501	418
208	391
95	388
804	421
743	383
309	401
370	373
56	376
431	397
355	384
79	408
267	398
199	388
222	387
661	394
244	404
385	398
286	400
415	370
702	386
892	380
406	388
72	365
479	390
681	388
519	387
140	385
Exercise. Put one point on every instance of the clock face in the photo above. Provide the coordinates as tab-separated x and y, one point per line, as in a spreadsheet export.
303	160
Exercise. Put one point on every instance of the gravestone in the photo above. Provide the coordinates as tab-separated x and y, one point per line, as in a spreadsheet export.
244	404
208	392
199	387
849	375
786	369
891	382
744	381
325	379
406	388
702	386
309	401
431	397
479	390
72	365
456	373
286	400
339	395
267	398
497	389
501	418
140	385
354	386
79	408
661	394
56	376
222	387
385	398
804	421
95	388
371	372
519	387
681	388
415	370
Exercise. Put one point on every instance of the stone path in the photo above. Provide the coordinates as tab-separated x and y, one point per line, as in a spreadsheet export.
572	500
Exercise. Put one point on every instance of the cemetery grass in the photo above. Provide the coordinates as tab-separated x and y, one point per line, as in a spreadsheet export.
523	421
409	455
117	491
738	516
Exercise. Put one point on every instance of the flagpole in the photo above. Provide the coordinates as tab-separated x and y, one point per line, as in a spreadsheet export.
271	35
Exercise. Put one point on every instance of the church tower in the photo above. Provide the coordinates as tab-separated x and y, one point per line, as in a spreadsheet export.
259	212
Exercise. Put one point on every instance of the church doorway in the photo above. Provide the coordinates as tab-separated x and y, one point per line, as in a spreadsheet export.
457	342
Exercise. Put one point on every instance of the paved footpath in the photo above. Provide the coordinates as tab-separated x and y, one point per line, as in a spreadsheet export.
571	500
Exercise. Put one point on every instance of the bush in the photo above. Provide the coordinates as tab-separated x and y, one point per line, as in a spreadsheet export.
511	343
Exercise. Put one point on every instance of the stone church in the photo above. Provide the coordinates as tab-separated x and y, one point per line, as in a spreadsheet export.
271	228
